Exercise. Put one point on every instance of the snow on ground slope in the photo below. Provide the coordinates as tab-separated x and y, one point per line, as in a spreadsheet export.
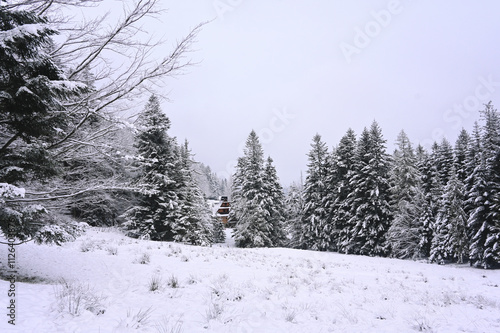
104	282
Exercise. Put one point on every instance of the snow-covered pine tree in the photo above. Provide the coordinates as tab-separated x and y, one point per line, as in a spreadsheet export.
316	233
460	155
450	241
194	224
433	190
248	198
408	202
371	212
294	206
444	162
274	203
484	195
339	208
33	90
158	160
428	218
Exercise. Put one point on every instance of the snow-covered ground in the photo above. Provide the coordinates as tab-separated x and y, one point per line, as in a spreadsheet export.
105	280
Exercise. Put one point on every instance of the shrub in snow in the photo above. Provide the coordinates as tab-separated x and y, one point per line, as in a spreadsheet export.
164	326
173	282
155	283
144	259
112	250
73	298
214	310
136	320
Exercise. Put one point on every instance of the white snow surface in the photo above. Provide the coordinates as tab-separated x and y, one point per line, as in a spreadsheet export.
227	289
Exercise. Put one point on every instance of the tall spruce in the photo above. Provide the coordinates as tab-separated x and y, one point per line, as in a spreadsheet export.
408	202
158	160
33	92
339	209
255	226
316	232
371	212
450	241
460	155
274	203
294	207
484	195
195	224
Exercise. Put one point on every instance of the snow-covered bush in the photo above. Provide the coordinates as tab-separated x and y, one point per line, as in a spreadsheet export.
155	283
144	259
164	326
73	298
136	320
173	282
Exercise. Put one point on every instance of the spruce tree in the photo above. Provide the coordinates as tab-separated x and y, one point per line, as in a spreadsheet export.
194	225
460	155
294	207
33	92
339	208
432	191
450	241
484	195
158	159
253	225
371	213
274	203
316	232
408	202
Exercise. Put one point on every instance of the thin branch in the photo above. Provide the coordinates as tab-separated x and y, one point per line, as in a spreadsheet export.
64	196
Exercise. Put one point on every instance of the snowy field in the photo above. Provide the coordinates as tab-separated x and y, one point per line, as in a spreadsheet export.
106	282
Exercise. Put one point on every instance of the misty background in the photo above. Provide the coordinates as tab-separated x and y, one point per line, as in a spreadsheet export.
291	69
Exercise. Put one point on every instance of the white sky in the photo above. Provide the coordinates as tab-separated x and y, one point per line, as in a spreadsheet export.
261	58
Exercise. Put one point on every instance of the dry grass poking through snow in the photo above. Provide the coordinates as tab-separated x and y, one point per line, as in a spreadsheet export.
105	282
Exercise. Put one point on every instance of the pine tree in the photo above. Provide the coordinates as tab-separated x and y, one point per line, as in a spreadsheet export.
444	162
484	195
274	203
294	206
316	232
460	155
371	213
253	225
194	225
339	208
158	158
33	90
432	191
408	202
450	242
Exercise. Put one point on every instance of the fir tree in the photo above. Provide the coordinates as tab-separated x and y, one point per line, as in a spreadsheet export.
158	158
450	242
194	225
460	155
274	203
316	232
484	196
339	208
294	206
408	202
444	162
371	213
254	227
432	191
33	91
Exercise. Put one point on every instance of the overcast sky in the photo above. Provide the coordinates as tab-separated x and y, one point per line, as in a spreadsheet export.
289	69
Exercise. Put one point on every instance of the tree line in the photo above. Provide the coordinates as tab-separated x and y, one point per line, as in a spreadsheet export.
442	204
66	155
